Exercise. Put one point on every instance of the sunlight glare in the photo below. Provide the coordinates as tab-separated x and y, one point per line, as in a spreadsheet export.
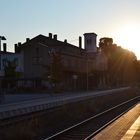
129	37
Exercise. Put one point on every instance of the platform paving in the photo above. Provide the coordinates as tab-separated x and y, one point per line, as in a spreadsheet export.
127	127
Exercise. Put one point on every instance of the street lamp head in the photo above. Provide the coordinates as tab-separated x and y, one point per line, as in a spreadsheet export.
2	38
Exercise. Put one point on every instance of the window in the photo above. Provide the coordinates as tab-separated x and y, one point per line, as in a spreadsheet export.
37	51
16	61
4	61
89	41
65	62
37	60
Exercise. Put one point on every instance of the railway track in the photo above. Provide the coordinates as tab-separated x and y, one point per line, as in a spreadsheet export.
88	128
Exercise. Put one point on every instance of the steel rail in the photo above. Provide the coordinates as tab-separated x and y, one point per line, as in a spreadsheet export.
107	124
93	117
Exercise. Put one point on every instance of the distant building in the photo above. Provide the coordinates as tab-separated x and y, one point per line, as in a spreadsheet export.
6	57
8	60
17	59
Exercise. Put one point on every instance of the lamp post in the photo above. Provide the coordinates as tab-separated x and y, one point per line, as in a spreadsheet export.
87	72
75	77
1	38
51	53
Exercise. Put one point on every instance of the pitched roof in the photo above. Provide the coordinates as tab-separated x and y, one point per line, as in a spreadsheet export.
49	41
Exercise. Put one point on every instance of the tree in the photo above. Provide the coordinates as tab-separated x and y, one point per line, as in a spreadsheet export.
137	66
10	69
10	73
54	71
121	68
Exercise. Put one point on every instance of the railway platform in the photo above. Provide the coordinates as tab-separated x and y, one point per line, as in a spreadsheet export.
23	107
127	127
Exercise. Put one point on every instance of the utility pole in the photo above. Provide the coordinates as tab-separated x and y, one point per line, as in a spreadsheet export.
1	38
87	72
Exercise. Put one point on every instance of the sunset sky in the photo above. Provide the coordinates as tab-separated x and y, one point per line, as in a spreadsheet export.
119	19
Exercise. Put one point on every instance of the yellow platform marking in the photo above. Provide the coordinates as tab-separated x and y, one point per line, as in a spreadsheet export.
132	130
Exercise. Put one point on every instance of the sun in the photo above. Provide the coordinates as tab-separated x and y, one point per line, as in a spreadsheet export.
128	37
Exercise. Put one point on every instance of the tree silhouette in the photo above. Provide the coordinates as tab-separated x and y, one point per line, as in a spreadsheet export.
54	71
10	69
10	73
121	67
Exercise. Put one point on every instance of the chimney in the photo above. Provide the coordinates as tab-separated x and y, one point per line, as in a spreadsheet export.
4	47
65	41
19	43
27	39
50	35
80	42
55	37
16	48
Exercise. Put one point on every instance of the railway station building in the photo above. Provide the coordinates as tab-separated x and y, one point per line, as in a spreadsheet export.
49	62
